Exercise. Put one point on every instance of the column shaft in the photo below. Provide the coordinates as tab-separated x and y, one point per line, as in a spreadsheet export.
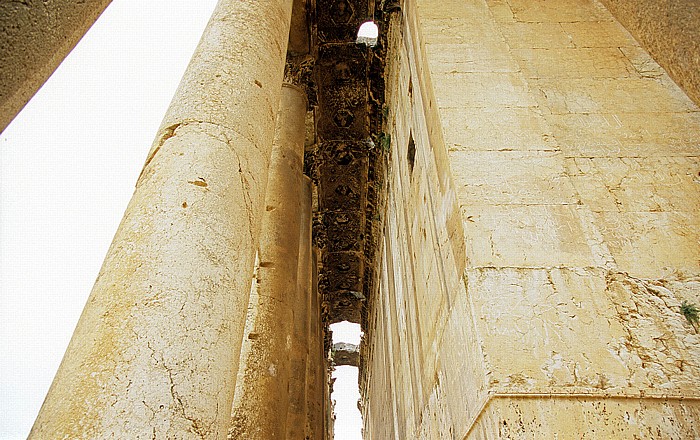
296	416
263	408
156	350
315	366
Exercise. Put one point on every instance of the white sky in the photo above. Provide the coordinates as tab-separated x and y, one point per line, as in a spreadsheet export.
68	164
347	332
348	423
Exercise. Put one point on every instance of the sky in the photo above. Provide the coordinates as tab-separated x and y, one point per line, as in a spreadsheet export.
346	393
68	165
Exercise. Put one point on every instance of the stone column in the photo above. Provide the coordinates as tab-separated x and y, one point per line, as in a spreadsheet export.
156	350
35	36
296	416
315	366
262	413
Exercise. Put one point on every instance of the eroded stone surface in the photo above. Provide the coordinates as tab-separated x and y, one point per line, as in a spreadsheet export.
270	390
569	160
155	352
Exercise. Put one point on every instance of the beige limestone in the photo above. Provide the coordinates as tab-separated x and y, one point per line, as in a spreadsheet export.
514	178
586	417
574	63
598	34
626	134
316	398
35	36
497	129
156	349
536	35
265	400
536	256
299	382
609	95
563	11
462	58
482	90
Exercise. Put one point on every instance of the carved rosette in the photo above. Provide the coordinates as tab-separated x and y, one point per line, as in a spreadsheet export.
346	121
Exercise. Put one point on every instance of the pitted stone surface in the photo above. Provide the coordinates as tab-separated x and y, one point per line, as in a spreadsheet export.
542	236
156	350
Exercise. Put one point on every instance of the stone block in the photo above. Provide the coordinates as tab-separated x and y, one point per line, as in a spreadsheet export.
652	244
520	35
586	95
573	418
511	177
600	34
574	63
643	63
582	330
451	30
652	184
547	329
471	10
481	90
655	184
623	134
496	129
468	58
543	11
525	236
501	11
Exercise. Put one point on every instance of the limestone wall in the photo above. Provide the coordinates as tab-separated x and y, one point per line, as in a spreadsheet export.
537	252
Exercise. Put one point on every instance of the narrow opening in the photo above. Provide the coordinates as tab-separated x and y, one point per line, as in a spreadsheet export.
345	396
368	34
347	332
411	155
346	390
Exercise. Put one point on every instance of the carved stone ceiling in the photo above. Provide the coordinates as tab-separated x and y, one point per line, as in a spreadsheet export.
345	161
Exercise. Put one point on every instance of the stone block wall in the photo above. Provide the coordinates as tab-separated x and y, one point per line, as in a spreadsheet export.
541	237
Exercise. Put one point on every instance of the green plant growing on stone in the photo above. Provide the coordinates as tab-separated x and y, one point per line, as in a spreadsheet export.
691	313
384	141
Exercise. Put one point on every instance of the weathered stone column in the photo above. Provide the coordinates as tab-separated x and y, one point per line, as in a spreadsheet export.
315	366
156	350
35	36
263	411
296	416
